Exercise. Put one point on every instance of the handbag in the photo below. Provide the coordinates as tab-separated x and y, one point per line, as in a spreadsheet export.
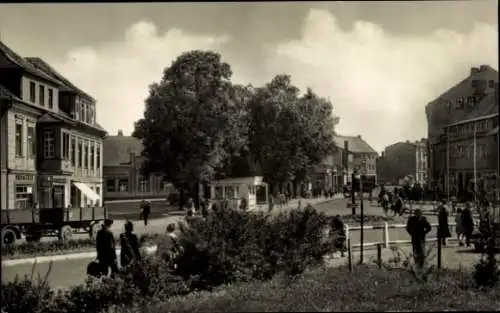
94	269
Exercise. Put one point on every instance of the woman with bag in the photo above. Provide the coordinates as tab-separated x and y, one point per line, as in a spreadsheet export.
129	246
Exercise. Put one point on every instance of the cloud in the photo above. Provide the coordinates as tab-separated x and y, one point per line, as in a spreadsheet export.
118	73
379	83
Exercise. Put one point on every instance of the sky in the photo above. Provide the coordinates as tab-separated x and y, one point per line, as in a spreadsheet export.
379	63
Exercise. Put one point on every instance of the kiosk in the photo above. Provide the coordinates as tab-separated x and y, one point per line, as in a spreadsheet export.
229	192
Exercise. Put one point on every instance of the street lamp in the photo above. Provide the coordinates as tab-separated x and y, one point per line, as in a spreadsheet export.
363	171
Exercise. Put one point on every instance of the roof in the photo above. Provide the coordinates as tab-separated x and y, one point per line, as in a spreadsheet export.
49	70
117	149
25	65
487	108
6	93
356	144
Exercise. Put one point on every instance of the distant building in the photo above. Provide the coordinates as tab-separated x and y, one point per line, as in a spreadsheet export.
401	160
122	177
51	143
452	118
336	170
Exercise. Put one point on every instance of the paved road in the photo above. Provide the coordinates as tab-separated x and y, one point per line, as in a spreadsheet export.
68	273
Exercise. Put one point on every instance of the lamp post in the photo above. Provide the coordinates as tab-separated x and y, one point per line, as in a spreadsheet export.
363	171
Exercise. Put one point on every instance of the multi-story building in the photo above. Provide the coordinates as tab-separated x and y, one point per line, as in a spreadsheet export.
122	175
465	114
403	160
359	155
51	147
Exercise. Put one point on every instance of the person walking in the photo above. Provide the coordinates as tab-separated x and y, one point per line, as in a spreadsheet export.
467	223
106	250
443	227
169	248
129	243
418	227
459	228
145	211
340	235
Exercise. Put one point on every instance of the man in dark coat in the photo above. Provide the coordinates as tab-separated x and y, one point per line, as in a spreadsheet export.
106	251
129	243
340	235
467	223
443	228
145	211
418	227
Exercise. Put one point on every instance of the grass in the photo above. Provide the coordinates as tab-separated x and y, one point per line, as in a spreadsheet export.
367	288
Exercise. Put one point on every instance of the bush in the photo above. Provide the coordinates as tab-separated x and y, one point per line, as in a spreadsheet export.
54	247
486	271
367	288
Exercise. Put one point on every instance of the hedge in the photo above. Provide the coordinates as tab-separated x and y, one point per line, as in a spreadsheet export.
30	249
226	248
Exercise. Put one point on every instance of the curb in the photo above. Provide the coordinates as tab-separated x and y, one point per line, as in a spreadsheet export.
62	257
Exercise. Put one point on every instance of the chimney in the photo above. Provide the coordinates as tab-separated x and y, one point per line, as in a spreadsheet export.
120	132
474	71
359	136
483	68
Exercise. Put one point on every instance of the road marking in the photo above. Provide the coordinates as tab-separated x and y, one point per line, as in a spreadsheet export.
62	257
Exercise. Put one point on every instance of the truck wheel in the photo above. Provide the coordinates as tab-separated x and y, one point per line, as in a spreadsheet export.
8	236
65	233
94	228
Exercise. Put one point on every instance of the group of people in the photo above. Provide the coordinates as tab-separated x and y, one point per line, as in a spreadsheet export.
107	261
418	227
393	201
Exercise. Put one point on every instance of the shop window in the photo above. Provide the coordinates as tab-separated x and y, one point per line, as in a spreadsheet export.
123	185
24	196
110	185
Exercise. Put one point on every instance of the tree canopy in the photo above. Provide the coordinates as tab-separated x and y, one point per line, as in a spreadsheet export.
198	125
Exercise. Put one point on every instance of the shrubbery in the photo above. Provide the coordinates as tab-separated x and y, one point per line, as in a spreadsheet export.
227	247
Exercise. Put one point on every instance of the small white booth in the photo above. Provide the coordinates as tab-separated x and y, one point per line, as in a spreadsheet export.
232	190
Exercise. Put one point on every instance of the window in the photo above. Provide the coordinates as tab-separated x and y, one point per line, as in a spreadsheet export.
98	157
24	196
123	184
80	153
87	113
19	138
32	92
73	151
98	191
91	114
143	184
92	151
460	103
41	94
86	155
82	111
65	145
491	83
474	83
51	98
48	144
110	185
31	141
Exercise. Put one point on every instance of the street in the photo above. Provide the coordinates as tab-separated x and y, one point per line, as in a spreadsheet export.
71	272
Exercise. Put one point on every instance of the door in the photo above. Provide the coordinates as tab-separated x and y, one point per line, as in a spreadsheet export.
58	196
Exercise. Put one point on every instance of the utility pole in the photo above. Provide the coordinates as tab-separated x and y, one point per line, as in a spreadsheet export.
346	165
362	210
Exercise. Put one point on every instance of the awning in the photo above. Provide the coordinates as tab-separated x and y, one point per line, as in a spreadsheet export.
87	191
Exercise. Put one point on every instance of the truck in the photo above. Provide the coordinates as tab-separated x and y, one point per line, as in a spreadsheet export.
489	228
35	223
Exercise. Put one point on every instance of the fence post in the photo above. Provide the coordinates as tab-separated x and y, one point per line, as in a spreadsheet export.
439	254
386	235
379	255
349	253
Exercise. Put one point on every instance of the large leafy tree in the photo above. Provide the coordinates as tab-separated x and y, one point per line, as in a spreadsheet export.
289	133
193	120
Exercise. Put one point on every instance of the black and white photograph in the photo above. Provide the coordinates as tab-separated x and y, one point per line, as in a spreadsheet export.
306	156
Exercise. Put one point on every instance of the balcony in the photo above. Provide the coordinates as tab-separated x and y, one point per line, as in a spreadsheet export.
56	166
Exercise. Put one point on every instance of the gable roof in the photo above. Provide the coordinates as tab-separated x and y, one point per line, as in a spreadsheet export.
356	144
49	70
117	149
6	93
25	65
